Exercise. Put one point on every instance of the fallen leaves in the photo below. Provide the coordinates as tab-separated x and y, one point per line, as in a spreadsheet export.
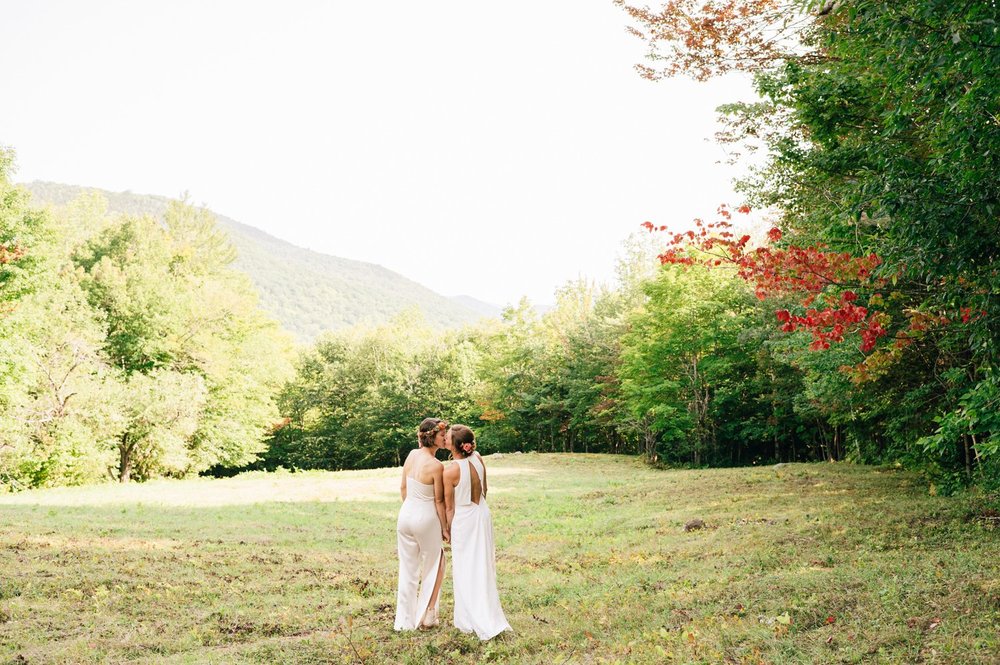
694	525
924	624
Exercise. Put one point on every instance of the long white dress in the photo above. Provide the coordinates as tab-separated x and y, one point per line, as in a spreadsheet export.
418	541
477	603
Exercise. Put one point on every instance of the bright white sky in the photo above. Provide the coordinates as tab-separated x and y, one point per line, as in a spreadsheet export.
490	149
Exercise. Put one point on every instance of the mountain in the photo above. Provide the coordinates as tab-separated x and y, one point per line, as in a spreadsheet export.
481	307
308	292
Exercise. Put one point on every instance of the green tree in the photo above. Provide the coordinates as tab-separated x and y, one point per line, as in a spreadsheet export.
878	121
55	415
358	395
678	359
184	330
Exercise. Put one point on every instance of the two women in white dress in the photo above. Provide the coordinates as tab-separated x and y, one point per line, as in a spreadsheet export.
447	505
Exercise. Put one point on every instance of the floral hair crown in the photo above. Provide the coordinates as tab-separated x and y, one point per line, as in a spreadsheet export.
436	428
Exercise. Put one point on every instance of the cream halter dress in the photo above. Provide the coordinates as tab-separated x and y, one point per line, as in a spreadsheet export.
477	603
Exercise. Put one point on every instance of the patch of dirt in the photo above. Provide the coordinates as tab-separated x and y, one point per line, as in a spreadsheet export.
989	517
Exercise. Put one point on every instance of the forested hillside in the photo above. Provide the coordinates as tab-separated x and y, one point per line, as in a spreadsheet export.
306	291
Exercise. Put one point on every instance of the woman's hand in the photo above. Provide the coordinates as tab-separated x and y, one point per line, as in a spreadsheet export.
446	535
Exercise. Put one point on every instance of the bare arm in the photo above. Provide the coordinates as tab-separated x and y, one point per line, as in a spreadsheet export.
449	493
439	502
482	481
402	483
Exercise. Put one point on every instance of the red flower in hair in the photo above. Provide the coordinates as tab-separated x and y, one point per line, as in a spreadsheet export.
467	447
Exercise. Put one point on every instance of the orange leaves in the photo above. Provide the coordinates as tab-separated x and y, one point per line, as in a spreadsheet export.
10	253
702	38
491	414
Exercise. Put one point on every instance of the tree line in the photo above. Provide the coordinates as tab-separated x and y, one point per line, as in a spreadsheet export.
132	350
861	327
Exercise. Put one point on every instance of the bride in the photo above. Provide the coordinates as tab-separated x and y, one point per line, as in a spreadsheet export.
420	529
477	603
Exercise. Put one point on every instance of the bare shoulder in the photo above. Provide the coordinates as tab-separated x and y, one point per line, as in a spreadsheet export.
451	471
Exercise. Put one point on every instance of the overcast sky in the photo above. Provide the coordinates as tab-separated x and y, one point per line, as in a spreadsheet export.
489	149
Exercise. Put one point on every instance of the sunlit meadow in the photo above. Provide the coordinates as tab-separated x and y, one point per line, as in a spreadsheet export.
823	563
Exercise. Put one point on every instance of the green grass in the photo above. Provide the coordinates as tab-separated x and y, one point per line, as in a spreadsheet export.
594	566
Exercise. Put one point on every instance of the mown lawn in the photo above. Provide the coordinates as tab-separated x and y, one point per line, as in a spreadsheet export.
796	564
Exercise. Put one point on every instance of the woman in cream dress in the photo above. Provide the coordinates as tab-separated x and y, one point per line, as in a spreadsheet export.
477	602
420	530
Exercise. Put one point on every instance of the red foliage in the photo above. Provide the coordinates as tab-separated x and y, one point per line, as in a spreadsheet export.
808	273
10	253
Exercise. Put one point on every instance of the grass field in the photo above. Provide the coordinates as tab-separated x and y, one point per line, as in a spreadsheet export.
796	564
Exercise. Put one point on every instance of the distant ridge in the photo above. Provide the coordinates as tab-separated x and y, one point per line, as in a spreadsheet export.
308	292
479	306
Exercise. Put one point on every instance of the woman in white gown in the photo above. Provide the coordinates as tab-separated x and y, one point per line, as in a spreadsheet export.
420	530
477	603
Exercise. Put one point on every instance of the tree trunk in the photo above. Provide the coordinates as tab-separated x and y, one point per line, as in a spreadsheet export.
774	415
649	442
124	459
823	444
968	458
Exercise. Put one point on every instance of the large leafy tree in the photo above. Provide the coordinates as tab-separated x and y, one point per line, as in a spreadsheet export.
682	359
879	125
20	228
183	330
55	412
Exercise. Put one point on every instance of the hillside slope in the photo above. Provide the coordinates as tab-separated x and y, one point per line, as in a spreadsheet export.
308	292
